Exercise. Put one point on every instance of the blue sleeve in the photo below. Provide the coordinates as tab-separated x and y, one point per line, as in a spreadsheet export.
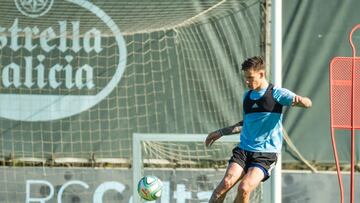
283	96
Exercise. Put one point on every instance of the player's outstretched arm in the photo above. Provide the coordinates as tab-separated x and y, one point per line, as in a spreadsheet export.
300	101
213	136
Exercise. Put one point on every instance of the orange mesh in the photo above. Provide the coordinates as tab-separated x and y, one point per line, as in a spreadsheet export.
341	90
344	106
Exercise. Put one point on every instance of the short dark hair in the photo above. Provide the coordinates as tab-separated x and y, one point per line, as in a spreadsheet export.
256	63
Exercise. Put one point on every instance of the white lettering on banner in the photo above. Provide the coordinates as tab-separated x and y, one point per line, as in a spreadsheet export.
48	35
14	36
11	75
3	38
39	182
63	187
75	36
165	195
15	69
68	41
96	35
98	194
29	32
180	195
100	191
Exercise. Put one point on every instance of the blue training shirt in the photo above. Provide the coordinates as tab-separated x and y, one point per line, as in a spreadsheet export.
262	131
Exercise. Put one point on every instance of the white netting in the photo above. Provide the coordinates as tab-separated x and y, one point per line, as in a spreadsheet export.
187	162
181	76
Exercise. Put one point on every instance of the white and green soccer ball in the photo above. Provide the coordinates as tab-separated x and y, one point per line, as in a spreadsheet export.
150	187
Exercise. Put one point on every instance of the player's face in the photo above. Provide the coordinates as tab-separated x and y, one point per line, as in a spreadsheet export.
254	78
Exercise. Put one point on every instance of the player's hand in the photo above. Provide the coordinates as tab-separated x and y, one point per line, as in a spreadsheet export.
211	138
296	100
302	102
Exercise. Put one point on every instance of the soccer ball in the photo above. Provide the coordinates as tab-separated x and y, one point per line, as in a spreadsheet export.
150	188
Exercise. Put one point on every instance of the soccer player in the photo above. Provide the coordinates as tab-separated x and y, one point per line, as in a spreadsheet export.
260	132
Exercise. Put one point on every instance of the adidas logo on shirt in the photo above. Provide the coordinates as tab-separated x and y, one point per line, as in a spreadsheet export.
255	106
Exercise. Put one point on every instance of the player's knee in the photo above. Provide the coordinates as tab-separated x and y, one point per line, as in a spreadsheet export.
245	188
228	183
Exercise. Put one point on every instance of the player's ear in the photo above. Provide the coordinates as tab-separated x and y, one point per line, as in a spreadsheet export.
262	74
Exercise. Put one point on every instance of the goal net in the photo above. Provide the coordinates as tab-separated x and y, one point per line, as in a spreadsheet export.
79	77
190	171
180	76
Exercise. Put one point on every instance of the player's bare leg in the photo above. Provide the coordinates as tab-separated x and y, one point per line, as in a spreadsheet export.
249	182
231	177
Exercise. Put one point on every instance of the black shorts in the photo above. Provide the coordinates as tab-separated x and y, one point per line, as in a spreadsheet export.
264	160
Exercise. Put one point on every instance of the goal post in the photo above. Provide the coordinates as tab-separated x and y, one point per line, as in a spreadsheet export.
264	194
